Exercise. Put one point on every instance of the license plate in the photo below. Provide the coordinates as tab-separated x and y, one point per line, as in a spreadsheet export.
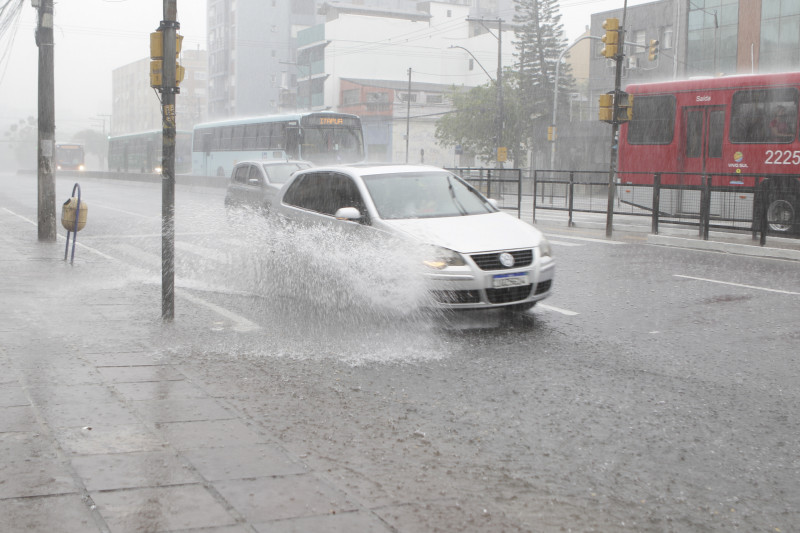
510	280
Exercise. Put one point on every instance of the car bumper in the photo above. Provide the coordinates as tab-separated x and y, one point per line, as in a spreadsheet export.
471	288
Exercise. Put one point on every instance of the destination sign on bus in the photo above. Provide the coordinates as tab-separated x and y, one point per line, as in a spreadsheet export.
331	121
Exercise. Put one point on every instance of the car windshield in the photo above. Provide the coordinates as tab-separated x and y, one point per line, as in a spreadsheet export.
280	173
424	195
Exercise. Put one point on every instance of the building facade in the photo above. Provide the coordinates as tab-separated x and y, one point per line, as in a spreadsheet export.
710	38
135	108
399	73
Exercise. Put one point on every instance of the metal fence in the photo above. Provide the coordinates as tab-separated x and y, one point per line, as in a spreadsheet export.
759	204
738	202
502	184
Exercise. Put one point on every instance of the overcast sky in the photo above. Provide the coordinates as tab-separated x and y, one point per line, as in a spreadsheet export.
93	37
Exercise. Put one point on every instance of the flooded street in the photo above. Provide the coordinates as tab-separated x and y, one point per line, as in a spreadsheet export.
636	398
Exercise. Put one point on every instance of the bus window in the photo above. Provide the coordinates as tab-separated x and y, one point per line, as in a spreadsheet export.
237	138
694	133
264	133
250	136
716	127
653	120
754	113
227	133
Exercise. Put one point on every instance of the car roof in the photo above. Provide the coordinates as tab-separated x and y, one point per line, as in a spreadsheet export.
273	162
367	169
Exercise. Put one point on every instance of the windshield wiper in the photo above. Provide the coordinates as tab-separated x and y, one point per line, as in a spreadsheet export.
456	201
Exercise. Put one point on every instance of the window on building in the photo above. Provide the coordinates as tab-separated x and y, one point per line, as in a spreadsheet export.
435	98
667	38
351	96
404	97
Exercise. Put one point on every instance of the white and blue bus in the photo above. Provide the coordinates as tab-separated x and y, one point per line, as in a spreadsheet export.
141	152
318	137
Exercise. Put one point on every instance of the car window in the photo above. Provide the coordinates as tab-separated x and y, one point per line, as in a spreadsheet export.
424	195
254	174
240	174
282	172
324	192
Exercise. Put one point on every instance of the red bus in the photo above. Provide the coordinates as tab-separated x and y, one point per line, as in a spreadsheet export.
744	128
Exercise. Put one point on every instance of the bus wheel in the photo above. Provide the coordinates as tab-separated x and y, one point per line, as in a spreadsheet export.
782	212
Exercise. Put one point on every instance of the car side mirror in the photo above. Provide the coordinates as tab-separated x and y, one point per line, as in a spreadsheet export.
254	181
348	213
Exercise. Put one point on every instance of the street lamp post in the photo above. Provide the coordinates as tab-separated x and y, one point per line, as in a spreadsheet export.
498	84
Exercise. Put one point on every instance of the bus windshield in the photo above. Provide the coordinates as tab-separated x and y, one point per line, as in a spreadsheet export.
325	145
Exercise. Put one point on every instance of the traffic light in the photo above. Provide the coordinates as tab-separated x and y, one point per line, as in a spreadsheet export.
624	107
611	37
653	55
607	107
157	56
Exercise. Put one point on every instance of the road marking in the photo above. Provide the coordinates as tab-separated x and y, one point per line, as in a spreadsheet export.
558	310
587	239
738	285
240	323
562	243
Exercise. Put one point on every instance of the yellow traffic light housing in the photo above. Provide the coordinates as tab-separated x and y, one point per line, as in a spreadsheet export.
157	56
606	107
624	107
611	37
551	133
653	52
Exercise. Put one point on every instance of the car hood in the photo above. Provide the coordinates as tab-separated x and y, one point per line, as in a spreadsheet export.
470	234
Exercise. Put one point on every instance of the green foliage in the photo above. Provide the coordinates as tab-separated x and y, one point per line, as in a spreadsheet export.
22	139
527	92
94	142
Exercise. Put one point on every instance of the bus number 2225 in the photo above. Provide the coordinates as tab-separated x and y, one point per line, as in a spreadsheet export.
782	157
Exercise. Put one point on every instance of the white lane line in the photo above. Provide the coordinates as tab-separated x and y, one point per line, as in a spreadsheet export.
738	285
240	323
64	238
562	243
587	239
558	310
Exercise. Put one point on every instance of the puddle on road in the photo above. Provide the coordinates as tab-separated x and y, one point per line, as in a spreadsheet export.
325	294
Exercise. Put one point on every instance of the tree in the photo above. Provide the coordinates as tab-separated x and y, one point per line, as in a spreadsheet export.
22	139
472	125
539	42
94	142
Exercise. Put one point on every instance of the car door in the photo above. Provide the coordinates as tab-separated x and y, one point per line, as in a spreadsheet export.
236	195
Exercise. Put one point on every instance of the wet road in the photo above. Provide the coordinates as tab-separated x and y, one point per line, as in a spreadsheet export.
656	390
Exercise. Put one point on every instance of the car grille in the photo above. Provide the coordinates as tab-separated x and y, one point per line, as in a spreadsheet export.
508	294
457	297
543	286
522	258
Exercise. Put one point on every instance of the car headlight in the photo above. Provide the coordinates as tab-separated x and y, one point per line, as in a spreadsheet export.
440	258
544	247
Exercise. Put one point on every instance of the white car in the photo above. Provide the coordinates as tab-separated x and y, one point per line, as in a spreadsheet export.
475	255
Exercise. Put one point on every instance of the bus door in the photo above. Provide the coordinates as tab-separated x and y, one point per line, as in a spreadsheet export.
704	129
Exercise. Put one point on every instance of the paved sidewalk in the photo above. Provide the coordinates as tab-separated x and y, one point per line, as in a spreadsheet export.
99	432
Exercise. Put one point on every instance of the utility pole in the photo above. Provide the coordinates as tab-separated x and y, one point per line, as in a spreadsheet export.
47	124
169	88
499	119
408	112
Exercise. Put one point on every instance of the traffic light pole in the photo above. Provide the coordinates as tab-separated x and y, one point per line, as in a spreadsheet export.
614	136
169	89
614	150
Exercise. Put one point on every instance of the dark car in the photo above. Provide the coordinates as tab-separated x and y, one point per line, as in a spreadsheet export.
253	184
